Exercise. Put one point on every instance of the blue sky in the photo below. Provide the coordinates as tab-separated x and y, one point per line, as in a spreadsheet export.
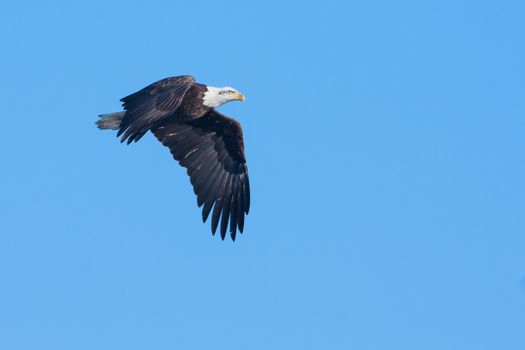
385	142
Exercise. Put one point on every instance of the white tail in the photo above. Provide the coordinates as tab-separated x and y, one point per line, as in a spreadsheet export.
110	121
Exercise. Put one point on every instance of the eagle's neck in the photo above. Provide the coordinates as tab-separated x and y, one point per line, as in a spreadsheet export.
212	97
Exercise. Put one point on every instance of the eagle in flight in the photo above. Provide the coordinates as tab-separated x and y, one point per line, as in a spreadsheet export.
181	114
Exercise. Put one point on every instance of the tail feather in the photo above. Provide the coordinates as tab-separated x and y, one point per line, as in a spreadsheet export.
110	121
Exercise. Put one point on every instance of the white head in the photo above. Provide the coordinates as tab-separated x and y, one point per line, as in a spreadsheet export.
215	97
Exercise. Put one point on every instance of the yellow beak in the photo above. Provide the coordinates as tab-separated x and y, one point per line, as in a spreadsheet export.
241	97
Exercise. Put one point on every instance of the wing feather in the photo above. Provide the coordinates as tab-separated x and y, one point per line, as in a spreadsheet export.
233	206
240	212
226	206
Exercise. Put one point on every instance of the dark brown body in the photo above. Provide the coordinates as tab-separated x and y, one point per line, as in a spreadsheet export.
191	106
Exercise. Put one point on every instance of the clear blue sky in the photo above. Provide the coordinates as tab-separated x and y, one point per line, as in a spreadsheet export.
386	148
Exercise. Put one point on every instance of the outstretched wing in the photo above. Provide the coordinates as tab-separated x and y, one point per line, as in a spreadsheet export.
212	150
152	104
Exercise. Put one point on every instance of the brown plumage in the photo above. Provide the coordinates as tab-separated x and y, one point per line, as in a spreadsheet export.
207	143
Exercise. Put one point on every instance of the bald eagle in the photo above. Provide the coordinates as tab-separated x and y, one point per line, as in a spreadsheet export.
181	114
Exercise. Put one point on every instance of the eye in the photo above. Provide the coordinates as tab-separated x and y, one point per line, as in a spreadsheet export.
230	91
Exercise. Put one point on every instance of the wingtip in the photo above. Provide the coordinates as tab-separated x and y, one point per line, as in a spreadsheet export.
233	233
213	228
